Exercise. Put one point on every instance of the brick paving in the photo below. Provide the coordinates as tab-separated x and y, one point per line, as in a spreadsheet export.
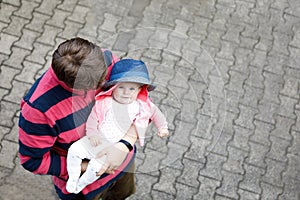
228	80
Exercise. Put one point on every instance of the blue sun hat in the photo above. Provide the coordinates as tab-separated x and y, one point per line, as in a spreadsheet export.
130	70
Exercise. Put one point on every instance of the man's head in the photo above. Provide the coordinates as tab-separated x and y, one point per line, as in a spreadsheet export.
79	64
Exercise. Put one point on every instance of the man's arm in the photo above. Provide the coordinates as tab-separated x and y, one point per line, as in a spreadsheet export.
36	139
117	153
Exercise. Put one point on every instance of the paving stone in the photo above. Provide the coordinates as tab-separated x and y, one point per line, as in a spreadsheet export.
236	82
287	106
8	153
278	149
24	185
144	184
247	195
261	133
272	88
58	18
290	87
47	7
67	5
13	2
27	39
190	173
175	154
4	172
292	170
197	149
205	124
294	149
70	30
282	127
9	9
138	8
293	57
6	42
161	195
270	191
15	26
151	163
207	188
182	133
18	91
252	96
251	181
266	112
6	76
290	191
110	22
255	78
235	161
26	9
38	21
275	65
3	132
274	172
246	117
123	39
241	138
79	13
13	133
17	57
213	166
167	180
39	53
257	154
229	185
280	44
28	72
49	34
185	191
220	147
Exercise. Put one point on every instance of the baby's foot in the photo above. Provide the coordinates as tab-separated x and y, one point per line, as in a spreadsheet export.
71	185
79	187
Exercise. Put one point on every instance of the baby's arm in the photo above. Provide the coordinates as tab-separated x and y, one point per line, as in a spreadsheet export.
160	121
92	128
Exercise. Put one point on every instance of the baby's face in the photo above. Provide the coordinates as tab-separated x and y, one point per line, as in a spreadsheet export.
126	93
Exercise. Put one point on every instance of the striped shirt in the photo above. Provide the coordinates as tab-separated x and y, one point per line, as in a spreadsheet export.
52	117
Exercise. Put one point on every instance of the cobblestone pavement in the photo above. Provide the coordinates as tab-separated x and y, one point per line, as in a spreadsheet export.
228	80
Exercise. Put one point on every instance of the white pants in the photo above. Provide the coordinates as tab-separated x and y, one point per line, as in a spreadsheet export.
82	149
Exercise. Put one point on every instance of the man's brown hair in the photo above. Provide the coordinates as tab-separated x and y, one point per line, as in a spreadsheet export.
79	64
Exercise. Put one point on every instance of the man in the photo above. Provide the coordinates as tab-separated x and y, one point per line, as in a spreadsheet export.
53	116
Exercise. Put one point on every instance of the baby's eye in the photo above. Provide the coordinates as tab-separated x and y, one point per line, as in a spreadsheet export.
132	89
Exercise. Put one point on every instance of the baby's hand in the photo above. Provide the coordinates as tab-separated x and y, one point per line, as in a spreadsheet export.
95	140
163	132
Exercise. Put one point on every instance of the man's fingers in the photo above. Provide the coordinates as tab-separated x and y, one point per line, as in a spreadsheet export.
102	170
101	153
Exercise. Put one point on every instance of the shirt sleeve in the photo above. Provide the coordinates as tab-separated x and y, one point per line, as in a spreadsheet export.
158	118
92	123
36	140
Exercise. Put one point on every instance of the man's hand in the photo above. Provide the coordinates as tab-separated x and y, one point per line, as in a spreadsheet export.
95	140
115	155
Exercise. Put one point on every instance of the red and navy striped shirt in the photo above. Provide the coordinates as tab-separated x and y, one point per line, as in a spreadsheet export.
52	117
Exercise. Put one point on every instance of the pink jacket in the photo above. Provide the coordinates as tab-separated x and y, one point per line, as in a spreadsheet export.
148	112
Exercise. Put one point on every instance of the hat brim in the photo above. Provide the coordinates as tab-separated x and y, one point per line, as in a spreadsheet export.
150	86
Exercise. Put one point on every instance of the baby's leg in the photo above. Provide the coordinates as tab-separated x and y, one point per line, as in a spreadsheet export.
74	159
89	176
